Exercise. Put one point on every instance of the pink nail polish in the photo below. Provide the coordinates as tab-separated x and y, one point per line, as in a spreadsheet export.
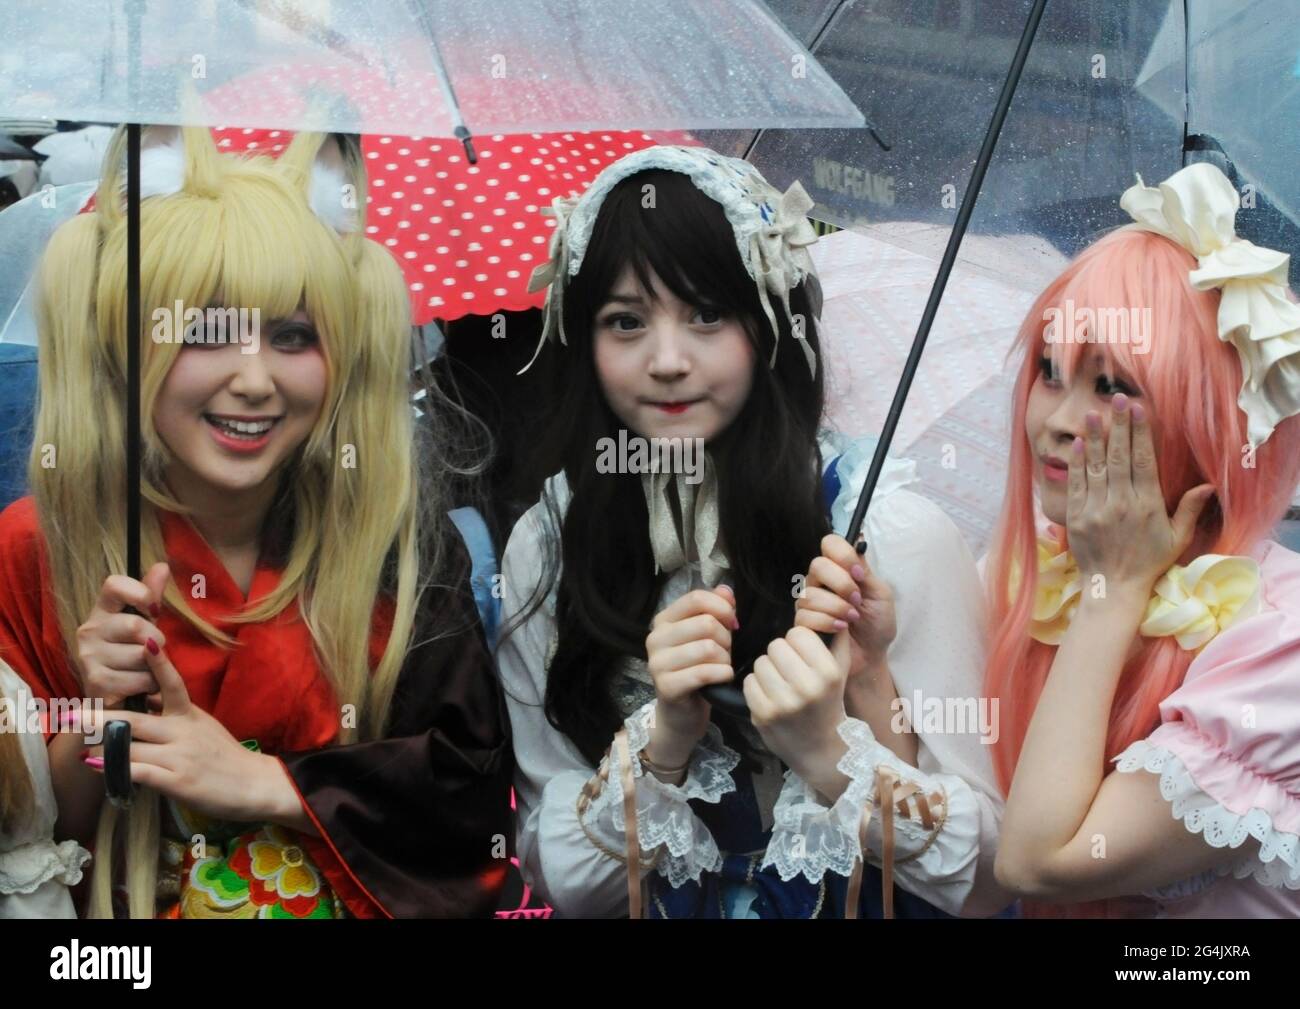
858	572
840	625
1139	414
95	762
1119	402
856	599
854	616
152	645
69	718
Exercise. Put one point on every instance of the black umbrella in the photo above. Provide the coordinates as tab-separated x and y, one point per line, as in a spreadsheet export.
729	697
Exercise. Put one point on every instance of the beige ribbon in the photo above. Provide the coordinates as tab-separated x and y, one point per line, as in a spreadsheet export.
780	259
1196	207
890	791
699	538
635	907
1192	603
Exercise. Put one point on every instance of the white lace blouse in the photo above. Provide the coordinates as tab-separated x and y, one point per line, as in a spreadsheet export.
944	846
35	872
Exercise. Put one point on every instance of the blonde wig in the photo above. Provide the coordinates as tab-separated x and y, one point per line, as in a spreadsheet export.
240	231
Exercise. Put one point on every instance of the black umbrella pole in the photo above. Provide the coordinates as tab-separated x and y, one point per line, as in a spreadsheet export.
945	269
117	734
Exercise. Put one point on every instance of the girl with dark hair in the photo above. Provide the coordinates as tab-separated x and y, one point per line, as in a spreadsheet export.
688	460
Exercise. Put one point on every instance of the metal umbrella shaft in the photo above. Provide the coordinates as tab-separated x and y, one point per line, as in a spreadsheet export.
117	734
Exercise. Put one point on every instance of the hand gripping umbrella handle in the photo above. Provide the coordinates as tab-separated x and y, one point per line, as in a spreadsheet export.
117	752
729	698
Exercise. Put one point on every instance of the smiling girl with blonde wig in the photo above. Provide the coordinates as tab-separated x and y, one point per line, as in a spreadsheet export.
303	583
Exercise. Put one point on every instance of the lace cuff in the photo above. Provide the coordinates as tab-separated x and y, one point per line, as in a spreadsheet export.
26	868
1278	861
811	838
668	829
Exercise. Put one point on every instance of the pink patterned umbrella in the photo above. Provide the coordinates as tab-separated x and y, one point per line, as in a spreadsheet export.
955	424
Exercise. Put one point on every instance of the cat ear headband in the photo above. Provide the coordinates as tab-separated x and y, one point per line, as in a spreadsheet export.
771	228
1196	207
162	173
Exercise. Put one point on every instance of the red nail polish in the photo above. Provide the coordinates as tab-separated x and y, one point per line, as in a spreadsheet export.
155	610
152	645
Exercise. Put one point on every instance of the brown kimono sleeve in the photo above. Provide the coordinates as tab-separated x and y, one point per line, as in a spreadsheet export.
410	823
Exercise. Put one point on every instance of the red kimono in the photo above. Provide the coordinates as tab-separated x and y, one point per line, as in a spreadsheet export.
408	823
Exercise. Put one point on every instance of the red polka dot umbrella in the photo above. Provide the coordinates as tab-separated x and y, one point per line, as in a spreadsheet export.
468	236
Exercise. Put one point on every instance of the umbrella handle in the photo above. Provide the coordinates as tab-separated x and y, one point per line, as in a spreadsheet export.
729	698
117	751
117	757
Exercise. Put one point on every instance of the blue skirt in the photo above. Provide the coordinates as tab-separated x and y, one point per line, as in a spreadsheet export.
742	889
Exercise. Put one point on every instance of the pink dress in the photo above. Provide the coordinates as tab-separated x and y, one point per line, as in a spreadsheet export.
1228	755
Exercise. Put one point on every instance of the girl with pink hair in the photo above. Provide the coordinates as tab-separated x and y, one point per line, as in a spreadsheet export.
1145	648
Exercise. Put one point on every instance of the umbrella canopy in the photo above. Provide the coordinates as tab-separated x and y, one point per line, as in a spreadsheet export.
1103	98
955	425
25	227
1108	91
468	236
1211	60
393	67
403	67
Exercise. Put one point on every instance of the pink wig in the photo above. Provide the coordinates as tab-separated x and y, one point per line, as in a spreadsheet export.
1190	381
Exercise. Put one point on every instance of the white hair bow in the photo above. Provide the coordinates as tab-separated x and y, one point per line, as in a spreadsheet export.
1196	207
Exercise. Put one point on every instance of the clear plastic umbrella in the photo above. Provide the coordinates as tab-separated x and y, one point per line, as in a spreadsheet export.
25	227
1103	97
1230	69
416	68
955	424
